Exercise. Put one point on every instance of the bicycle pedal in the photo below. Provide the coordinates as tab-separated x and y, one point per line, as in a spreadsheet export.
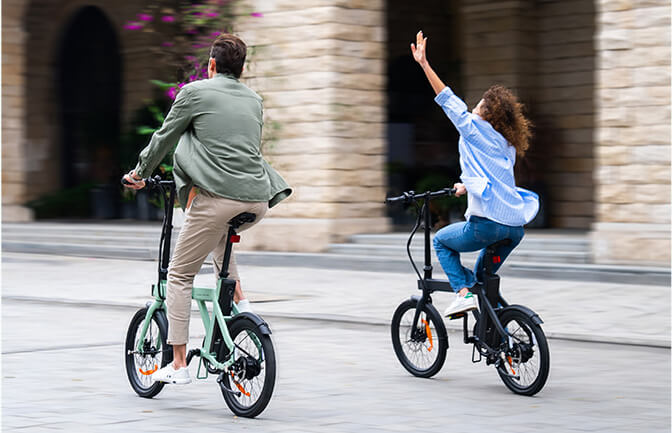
456	316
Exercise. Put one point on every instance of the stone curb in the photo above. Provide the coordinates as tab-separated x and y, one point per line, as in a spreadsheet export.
577	272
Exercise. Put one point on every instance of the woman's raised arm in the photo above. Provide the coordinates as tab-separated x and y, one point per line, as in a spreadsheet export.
419	50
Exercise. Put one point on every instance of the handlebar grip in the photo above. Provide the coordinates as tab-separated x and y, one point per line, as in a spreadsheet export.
149	182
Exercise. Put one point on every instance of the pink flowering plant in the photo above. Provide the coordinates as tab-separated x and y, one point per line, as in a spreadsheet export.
186	30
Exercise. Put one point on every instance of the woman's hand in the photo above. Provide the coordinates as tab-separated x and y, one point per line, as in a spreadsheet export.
460	189
419	49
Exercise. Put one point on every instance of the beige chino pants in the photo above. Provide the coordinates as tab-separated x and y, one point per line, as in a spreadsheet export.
204	231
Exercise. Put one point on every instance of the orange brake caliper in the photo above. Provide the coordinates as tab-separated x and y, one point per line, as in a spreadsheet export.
429	335
240	387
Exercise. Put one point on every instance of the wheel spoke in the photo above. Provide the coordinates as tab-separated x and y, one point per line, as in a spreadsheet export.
419	354
523	337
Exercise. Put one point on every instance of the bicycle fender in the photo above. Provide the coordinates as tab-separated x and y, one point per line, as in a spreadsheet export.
258	321
534	317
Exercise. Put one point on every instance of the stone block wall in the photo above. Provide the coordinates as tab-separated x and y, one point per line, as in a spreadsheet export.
319	65
13	109
564	110
46	23
543	50
499	47
632	137
32	34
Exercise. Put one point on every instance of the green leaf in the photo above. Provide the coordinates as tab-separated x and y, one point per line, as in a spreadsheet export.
145	130
166	168
162	84
156	111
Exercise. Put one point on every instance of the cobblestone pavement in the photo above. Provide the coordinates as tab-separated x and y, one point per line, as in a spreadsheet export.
63	371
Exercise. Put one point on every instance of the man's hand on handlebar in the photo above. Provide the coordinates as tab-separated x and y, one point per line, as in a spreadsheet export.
133	181
460	189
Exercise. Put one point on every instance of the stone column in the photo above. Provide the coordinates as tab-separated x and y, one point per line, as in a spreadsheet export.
633	133
13	112
319	65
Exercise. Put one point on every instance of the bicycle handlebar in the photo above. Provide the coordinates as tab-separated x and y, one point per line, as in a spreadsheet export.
411	195
150	182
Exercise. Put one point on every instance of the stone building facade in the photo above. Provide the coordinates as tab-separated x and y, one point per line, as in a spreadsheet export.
595	76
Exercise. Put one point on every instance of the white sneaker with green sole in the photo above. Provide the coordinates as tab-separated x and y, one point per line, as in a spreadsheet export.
462	304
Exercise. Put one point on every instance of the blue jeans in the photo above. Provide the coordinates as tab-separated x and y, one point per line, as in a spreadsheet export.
472	235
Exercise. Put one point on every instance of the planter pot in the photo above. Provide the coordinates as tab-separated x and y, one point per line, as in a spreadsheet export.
146	211
129	210
103	202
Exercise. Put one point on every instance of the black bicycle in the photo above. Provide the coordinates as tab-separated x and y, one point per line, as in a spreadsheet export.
507	336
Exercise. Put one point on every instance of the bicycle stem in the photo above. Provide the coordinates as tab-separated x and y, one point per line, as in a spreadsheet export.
428	254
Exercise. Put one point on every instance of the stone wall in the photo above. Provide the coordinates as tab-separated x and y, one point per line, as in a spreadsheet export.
32	33
544	52
633	132
319	65
564	110
13	111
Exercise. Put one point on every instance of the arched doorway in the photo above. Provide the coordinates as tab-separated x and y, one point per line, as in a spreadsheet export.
89	94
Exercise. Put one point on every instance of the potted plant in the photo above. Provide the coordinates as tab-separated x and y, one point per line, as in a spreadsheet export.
443	210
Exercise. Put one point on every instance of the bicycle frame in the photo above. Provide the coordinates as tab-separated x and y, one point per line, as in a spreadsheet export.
221	296
487	291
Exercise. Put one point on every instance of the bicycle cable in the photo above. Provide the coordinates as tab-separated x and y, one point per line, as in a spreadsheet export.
410	239
163	229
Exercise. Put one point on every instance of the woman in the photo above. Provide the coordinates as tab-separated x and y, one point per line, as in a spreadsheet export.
490	137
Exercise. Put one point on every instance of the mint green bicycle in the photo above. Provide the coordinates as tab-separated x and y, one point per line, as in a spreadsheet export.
237	347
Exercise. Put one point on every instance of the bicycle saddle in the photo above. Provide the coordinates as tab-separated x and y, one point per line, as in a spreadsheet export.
242	218
502	243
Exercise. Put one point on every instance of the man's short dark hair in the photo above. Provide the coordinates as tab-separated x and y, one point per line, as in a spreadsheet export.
229	52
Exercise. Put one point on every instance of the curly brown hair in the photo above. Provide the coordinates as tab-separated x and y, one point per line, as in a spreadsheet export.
503	111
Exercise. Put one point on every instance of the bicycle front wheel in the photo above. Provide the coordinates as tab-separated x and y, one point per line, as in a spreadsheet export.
525	367
420	349
248	385
154	352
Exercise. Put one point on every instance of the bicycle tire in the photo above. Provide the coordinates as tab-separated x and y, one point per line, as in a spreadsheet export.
525	332
424	344
265	359
140	379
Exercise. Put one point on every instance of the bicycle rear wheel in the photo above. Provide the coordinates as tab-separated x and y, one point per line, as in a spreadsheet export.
420	349
248	385
526	366
155	353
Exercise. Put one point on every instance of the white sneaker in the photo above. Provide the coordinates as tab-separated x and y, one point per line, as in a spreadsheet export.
244	306
462	304
169	375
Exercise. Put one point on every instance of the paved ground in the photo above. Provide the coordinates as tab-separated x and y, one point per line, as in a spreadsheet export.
63	371
606	312
64	320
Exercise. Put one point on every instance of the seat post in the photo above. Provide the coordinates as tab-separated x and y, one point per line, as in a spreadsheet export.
224	273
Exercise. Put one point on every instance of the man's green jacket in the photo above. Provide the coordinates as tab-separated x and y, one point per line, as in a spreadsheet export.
216	124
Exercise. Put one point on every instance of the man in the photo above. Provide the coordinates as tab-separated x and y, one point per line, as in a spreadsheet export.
217	124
